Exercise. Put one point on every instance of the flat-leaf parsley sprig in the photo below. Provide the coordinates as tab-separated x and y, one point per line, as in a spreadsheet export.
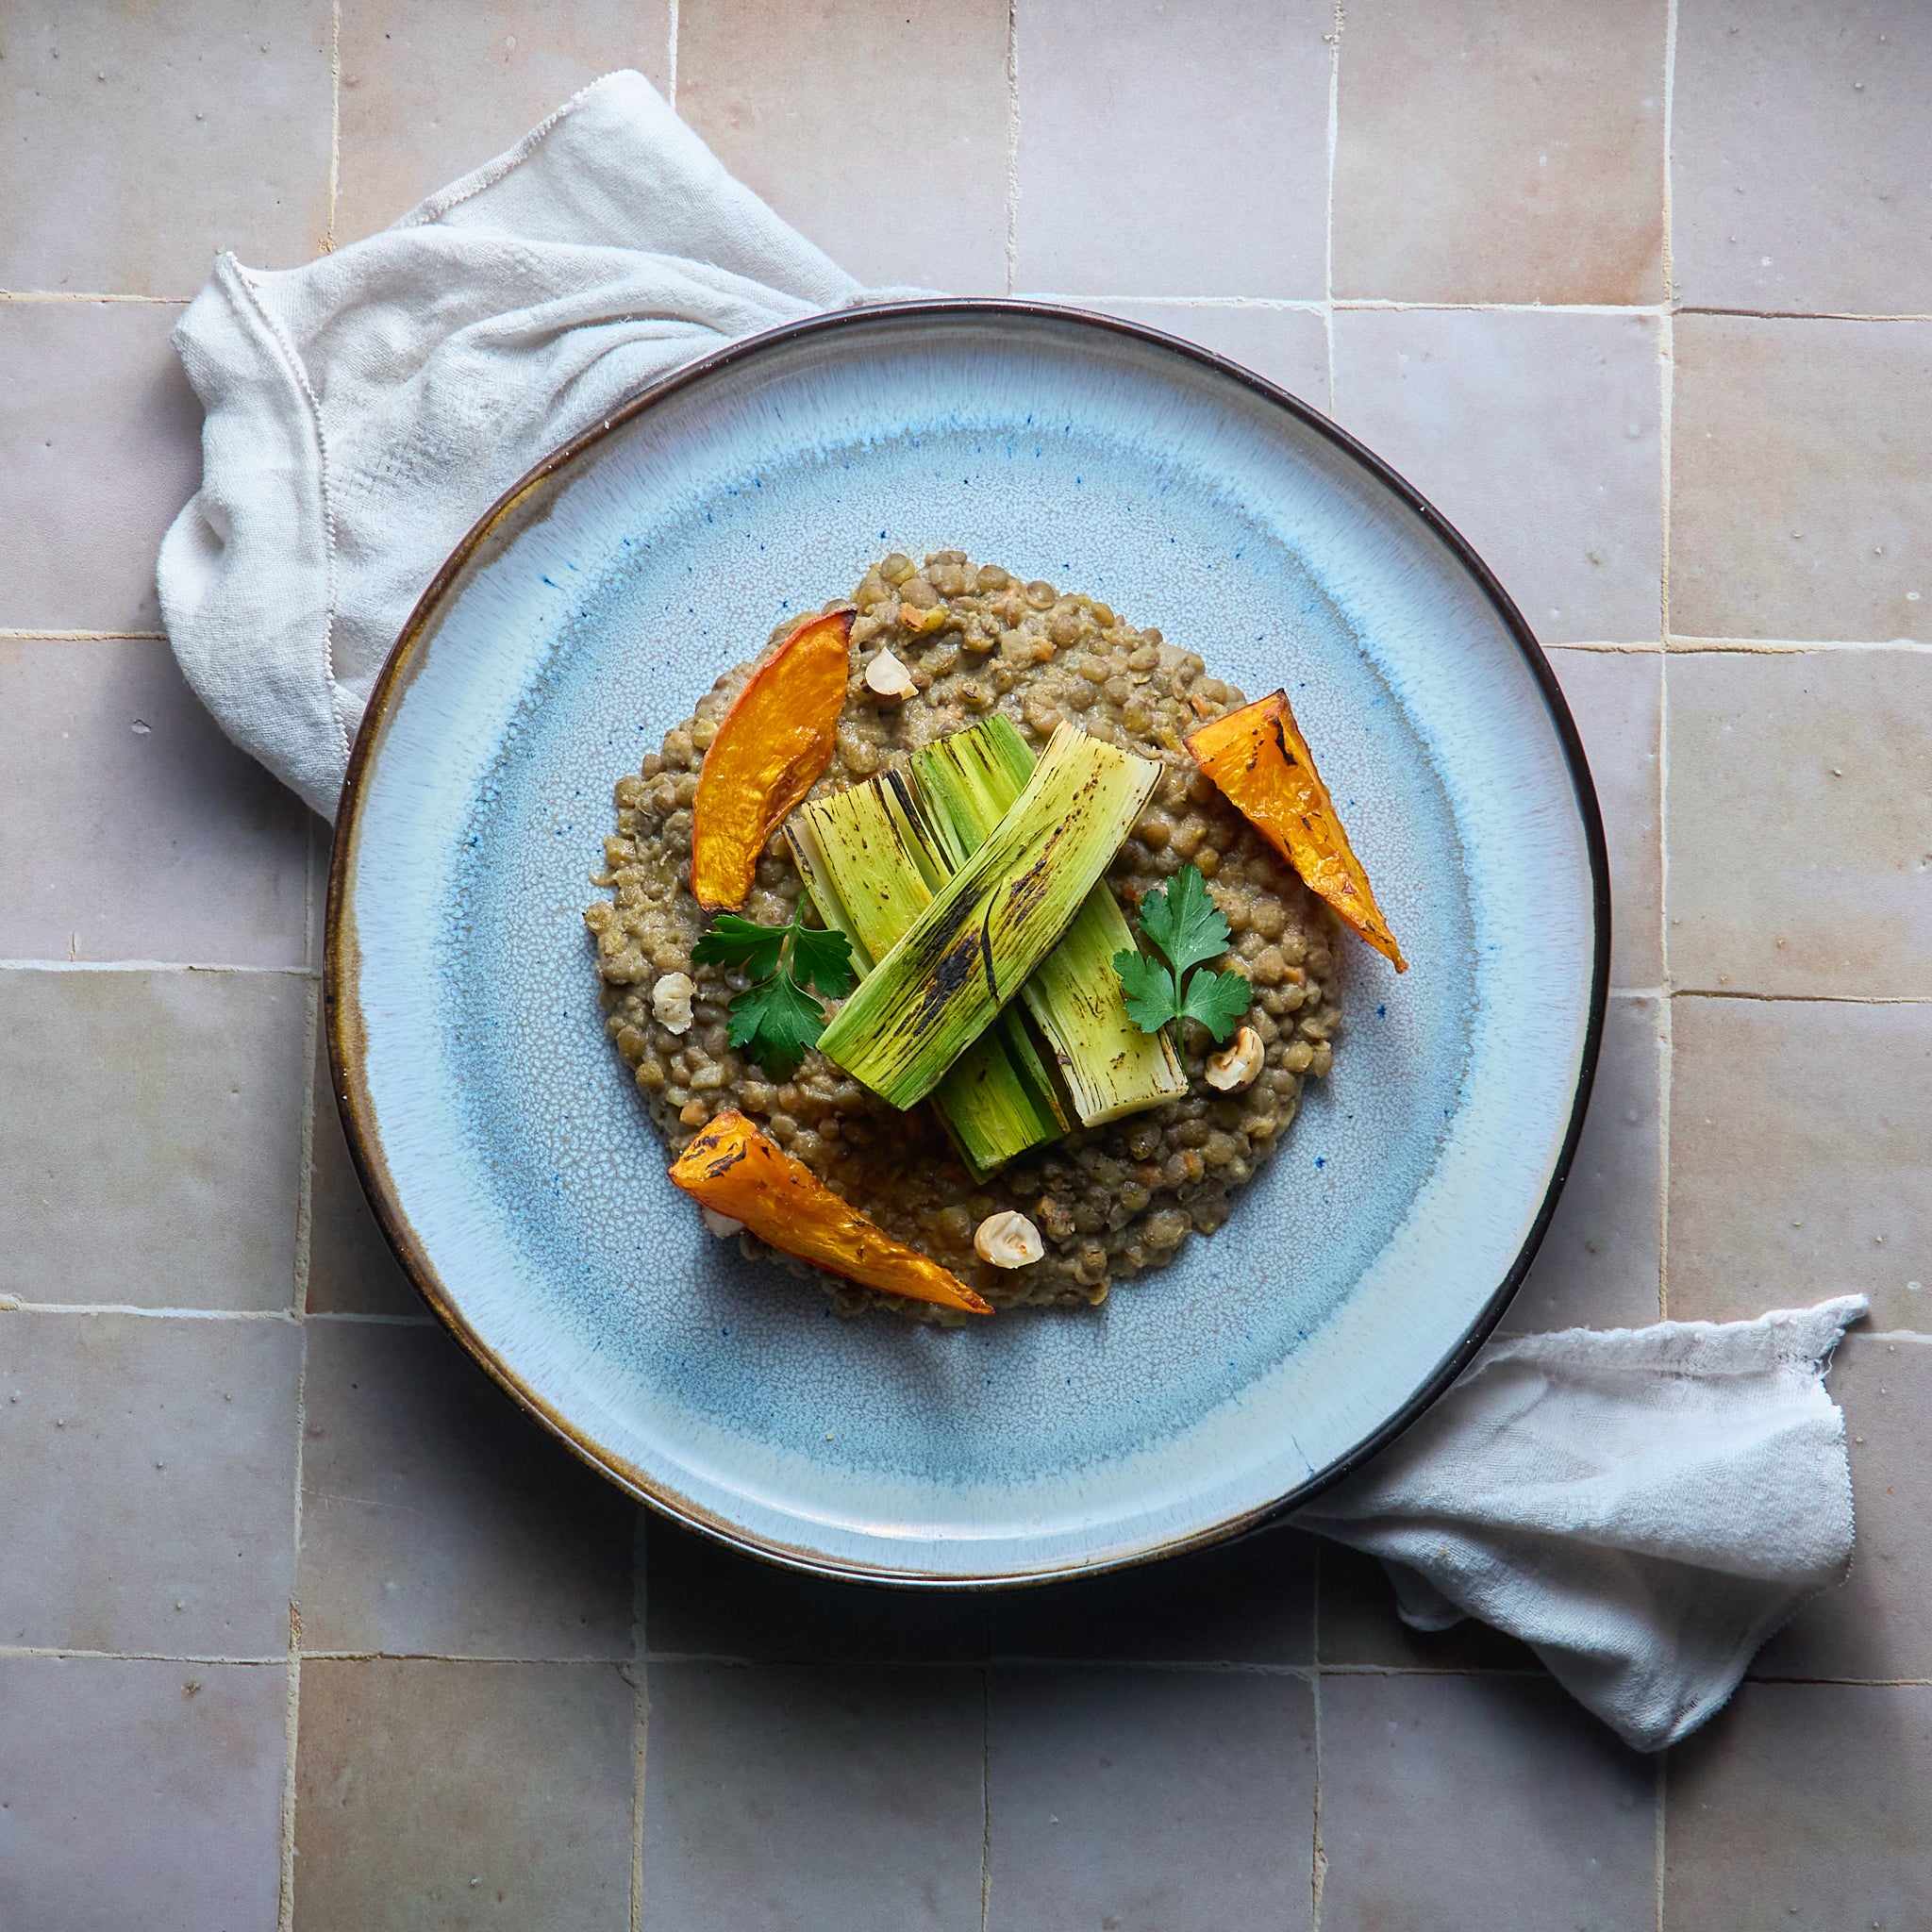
774	1019
1184	924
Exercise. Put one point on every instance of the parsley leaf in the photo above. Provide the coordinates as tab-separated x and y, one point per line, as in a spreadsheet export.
823	957
1185	925
774	1019
1149	987
736	941
1184	921
1217	1000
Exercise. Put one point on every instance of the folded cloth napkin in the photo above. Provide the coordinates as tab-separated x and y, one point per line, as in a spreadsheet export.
1644	1507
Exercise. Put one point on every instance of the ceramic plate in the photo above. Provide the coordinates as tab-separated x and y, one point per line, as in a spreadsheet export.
510	1160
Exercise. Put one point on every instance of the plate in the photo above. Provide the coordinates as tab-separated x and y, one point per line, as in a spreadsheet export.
505	1149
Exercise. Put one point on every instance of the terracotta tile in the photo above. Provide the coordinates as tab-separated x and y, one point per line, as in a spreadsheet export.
880	133
145	141
1796	180
138	832
854	1796
140	1793
1537	436
1154	1801
1510	152
1288	346
704	1600
430	93
1801	1158
149	1504
156	1142
1875	1625
352	1268
1359	1625
437	1521
1252	1601
1171	150
1616	698
1803	1805
1800	846
1602	1260
1800	479
463	1795
1489	1804
105	442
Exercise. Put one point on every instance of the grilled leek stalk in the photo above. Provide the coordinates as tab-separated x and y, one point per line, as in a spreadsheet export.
992	921
966	784
870	865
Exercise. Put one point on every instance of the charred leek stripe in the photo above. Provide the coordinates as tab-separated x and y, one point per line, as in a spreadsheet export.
871	866
992	921
966	782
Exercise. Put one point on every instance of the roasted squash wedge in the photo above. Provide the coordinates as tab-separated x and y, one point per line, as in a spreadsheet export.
1260	760
772	744
733	1169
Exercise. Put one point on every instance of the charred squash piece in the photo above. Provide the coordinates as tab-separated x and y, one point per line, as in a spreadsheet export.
1260	758
772	744
732	1169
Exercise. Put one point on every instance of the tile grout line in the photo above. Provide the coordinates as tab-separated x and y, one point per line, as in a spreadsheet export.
152	966
1317	1855
672	24
13	636
1012	145
640	1707
986	1795
1667	375
1659	1814
335	120
1327	308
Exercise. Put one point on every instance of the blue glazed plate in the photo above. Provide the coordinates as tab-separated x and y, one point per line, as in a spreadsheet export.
503	1146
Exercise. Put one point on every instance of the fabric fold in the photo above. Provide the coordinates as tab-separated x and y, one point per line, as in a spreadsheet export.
1642	1506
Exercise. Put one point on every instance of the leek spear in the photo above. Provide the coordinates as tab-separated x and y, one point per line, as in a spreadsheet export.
992	921
966	782
871	864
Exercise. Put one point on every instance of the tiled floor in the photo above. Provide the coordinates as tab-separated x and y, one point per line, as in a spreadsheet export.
300	1626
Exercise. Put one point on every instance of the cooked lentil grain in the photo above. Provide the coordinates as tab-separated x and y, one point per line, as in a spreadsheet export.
1110	1202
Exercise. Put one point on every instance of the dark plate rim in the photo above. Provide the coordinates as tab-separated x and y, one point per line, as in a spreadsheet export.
343	1031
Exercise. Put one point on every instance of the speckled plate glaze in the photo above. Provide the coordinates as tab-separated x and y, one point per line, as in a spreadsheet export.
507	1153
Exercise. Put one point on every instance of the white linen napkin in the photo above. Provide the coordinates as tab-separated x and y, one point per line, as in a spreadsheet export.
1644	1507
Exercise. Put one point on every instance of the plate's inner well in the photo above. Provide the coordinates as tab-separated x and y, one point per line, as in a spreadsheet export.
516	1150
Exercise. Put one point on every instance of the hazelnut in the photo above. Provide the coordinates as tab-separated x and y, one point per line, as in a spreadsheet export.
671	1002
1234	1067
1008	1239
887	677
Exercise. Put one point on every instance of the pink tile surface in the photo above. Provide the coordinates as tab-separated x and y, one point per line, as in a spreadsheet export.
1796	144
1167	150
881	132
190	852
516	1704
430	92
1288	346
859	1790
124	1780
1801	480
153	1155
149	1506
430	1794
1538	437
142	142
436	1523
1183	1800
104	435
1502	153
1800	845
1803	1805
1801	1157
